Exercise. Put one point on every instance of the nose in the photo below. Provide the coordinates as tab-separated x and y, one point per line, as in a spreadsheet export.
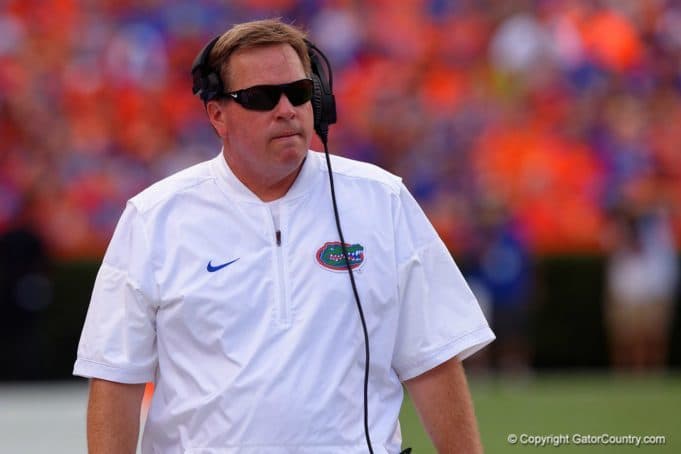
284	108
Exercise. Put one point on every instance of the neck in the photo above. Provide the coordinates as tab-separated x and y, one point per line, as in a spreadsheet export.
269	192
266	187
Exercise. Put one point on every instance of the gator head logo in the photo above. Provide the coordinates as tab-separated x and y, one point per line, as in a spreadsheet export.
330	256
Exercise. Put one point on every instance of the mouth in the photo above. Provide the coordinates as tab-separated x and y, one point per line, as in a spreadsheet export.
286	135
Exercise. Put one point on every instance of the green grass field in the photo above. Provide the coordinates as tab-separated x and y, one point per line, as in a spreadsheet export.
567	405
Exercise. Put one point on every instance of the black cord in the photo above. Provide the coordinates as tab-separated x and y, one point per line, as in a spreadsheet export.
359	304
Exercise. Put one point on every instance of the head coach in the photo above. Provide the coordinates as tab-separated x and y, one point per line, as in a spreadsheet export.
277	297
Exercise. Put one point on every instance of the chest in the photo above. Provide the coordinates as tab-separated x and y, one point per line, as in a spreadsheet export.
234	267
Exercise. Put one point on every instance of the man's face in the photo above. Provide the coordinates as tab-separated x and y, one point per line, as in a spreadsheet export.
268	146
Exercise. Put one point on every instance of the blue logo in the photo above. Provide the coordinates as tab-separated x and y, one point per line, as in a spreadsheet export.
211	269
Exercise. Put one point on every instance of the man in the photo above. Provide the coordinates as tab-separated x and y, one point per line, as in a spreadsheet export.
224	285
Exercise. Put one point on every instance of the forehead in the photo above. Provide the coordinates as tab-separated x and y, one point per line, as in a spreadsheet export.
276	64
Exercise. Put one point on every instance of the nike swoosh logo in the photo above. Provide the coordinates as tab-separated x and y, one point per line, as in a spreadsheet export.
211	269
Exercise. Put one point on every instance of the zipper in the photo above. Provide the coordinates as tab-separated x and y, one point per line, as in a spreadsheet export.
282	302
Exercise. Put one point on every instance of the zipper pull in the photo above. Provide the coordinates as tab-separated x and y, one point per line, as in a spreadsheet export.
278	236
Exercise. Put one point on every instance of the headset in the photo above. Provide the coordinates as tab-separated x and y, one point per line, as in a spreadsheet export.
208	84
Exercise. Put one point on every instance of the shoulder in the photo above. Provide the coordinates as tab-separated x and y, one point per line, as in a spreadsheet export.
361	172
166	190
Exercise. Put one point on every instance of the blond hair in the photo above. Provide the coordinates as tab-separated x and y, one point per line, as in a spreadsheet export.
254	34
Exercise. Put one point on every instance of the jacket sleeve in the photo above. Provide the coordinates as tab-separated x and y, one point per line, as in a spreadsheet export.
118	341
439	316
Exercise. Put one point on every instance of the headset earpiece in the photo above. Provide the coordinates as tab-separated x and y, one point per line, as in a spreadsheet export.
206	82
317	102
323	101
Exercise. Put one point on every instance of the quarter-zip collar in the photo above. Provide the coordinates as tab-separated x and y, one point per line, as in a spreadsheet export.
233	187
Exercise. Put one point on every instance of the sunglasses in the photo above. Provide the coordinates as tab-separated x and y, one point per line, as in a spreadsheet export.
265	97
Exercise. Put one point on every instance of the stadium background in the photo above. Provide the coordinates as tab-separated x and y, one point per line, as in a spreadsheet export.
535	118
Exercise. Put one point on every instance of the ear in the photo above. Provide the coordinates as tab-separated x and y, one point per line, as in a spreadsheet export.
217	117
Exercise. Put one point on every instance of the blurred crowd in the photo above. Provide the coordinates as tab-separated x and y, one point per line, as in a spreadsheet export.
538	119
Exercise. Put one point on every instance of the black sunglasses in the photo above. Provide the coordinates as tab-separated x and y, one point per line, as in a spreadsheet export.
265	97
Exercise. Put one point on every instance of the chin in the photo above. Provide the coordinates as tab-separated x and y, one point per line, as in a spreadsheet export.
293	153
